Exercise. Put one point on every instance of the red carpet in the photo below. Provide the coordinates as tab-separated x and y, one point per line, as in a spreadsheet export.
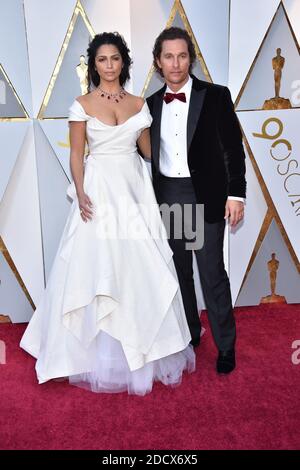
256	407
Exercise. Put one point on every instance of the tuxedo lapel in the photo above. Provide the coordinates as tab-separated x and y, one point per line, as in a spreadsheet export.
155	134
196	103
195	107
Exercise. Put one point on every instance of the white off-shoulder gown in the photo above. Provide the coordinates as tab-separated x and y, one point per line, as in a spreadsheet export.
111	318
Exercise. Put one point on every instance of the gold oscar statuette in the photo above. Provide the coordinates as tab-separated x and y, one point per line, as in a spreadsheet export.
81	71
277	102
5	319
273	265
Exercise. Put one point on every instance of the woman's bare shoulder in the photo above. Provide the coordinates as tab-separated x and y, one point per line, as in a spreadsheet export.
84	99
137	101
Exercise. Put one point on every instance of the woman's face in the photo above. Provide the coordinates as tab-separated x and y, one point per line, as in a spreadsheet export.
108	62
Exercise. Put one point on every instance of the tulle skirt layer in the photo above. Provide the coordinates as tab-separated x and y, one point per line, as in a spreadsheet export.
111	373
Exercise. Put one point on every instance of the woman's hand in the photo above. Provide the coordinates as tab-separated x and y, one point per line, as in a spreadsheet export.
85	206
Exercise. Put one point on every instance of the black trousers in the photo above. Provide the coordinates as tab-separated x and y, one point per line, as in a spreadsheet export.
212	273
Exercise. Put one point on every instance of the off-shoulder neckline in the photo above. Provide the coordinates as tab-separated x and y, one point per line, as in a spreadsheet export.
110	125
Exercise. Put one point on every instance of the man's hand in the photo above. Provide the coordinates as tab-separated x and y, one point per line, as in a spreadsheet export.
235	211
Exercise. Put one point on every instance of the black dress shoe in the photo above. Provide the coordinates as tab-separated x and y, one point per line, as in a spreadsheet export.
226	361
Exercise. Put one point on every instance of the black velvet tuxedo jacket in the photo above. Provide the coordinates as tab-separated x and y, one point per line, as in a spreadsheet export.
216	157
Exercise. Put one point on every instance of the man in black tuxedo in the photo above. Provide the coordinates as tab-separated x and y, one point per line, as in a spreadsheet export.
198	158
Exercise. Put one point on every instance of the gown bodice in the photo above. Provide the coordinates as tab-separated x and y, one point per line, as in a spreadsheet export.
105	139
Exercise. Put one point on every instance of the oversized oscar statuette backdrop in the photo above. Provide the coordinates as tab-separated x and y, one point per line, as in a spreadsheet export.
4	319
81	70
273	266
277	102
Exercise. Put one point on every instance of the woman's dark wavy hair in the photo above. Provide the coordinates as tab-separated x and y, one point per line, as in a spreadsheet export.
108	38
173	33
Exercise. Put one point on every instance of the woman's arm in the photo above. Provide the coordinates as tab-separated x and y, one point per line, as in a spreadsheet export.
77	143
144	144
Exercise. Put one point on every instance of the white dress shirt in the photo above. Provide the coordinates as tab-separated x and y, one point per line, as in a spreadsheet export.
173	158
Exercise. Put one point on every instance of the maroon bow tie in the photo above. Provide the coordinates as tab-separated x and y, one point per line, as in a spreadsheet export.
172	96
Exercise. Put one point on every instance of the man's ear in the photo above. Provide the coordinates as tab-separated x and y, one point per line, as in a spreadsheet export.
158	63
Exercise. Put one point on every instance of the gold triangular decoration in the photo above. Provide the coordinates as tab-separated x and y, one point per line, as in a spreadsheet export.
267	100
78	14
11	107
12	266
178	17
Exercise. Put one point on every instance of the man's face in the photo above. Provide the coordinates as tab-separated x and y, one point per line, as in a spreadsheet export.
174	61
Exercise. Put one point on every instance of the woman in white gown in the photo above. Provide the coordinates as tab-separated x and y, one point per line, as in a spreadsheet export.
111	318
